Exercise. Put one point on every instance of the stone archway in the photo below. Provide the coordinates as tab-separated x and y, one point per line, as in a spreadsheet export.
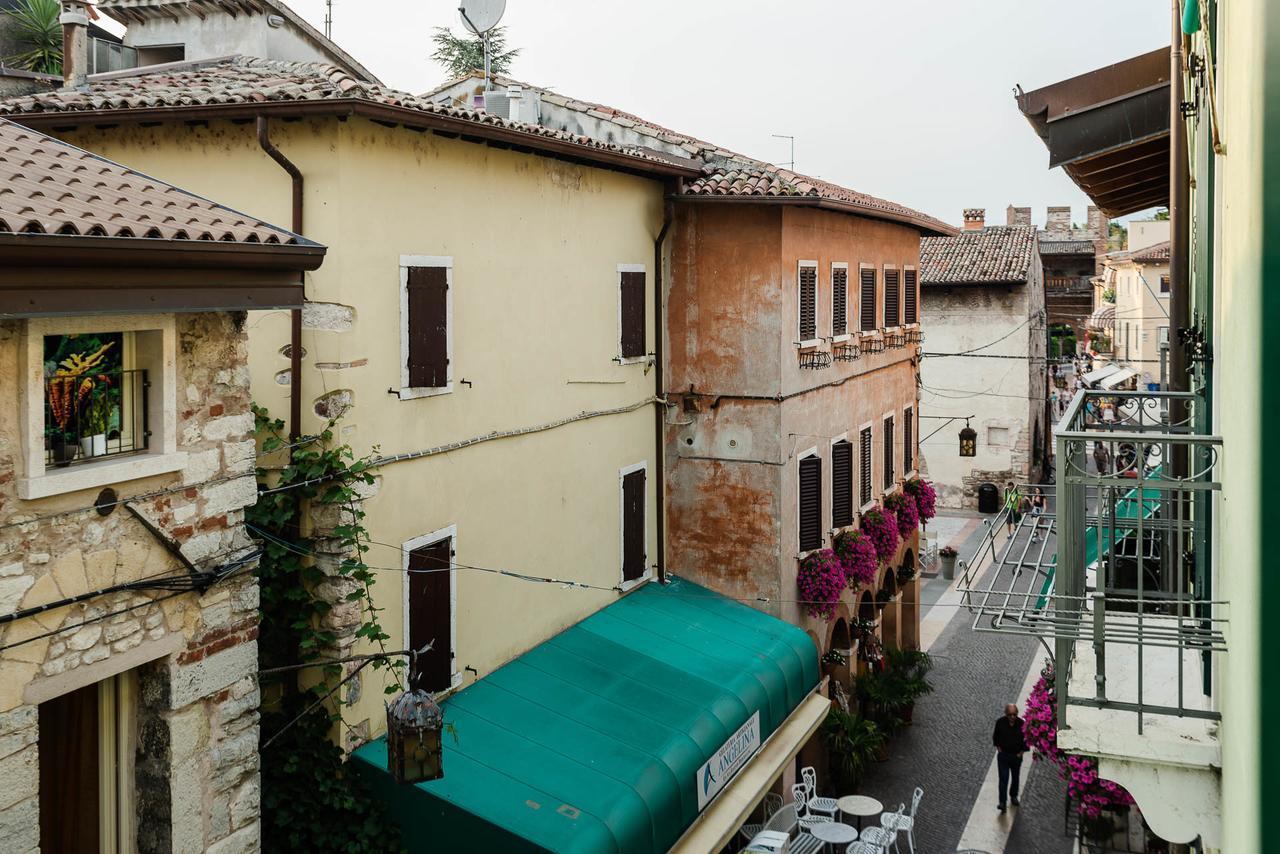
889	604
909	622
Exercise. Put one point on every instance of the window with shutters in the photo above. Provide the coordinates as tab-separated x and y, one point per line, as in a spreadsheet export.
910	296
888	473
839	300
908	441
429	609
807	294
892	297
810	502
864	467
841	483
635	556
867	298
633	346
426	325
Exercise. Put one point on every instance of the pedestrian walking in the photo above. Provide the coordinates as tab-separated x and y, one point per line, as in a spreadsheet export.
1037	510
1101	459
1010	744
1013	506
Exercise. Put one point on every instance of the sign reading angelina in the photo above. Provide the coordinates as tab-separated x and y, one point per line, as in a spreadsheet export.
717	771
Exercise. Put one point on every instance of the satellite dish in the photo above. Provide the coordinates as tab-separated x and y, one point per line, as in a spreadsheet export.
481	16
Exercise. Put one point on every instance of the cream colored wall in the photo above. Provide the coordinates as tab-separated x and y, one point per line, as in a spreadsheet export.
1143	312
535	245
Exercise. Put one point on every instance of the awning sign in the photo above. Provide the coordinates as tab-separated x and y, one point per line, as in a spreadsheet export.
717	771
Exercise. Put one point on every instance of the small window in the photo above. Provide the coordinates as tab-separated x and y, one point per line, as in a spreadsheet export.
841	483
1164	284
867	298
634	553
908	441
429	611
632	312
911	297
426	336
892	297
1162	334
810	503
839	299
808	296
864	467
94	398
888	471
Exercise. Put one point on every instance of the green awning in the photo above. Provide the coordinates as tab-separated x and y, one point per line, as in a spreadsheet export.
591	741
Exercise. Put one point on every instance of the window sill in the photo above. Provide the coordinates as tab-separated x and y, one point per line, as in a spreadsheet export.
415	393
94	475
633	360
626	586
811	344
840	339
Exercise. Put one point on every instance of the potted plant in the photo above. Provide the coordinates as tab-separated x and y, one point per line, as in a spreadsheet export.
911	670
853	742
820	581
62	447
925	496
858	555
831	659
904	511
881	528
947	555
96	420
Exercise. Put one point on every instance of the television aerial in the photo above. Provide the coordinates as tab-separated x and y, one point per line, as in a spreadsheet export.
480	17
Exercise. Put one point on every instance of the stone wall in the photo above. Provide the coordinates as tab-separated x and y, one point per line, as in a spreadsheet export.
191	658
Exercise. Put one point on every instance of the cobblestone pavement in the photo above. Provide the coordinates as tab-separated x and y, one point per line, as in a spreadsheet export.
947	750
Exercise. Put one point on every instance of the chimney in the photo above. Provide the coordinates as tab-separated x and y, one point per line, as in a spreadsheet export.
75	43
1017	216
1058	220
974	219
1097	222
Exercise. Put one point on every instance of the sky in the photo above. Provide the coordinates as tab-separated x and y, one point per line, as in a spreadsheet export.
909	100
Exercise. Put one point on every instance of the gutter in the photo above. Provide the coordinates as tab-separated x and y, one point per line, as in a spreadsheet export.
659	388
295	315
64	250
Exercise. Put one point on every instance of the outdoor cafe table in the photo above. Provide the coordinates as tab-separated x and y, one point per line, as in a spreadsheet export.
833	833
859	806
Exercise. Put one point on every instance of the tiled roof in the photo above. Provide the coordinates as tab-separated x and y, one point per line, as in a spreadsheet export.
1049	246
1157	253
50	187
250	82
997	254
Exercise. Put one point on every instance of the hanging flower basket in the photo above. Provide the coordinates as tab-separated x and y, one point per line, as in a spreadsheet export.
904	510
858	555
881	527
925	496
820	580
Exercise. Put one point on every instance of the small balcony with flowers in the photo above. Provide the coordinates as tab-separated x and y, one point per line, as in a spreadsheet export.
1114	579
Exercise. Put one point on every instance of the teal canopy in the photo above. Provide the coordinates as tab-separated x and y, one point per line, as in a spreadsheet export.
591	741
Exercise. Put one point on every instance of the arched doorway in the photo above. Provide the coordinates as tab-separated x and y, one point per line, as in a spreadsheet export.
909	623
889	608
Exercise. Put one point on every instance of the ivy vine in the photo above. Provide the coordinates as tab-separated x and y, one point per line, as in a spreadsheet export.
311	801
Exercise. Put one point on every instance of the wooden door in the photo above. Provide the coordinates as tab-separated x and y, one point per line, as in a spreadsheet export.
69	772
431	615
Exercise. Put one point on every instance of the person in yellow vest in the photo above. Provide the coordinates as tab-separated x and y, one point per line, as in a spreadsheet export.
1013	501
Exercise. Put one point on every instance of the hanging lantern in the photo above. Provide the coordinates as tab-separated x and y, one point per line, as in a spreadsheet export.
968	442
414	722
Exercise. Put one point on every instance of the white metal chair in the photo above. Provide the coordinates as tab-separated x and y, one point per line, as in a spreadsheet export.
772	803
825	806
804	818
887	833
861	847
904	823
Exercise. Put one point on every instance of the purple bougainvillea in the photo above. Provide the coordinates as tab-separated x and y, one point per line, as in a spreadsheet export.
904	510
859	558
881	527
821	580
925	496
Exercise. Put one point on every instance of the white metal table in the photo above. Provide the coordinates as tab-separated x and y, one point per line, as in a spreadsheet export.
859	806
834	833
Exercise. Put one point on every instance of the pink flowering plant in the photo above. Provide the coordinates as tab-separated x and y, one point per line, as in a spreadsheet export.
925	496
904	510
858	555
821	581
881	527
1040	729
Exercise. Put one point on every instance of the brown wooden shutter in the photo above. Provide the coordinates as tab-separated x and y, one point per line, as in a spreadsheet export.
908	440
867	298
430	615
864	467
633	315
633	551
888	453
428	327
911	303
810	503
839	300
892	296
808	303
841	484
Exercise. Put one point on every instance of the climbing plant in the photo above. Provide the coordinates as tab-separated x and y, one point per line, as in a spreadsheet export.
311	800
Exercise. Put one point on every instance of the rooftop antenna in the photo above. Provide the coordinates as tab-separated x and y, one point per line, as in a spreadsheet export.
792	164
480	17
328	19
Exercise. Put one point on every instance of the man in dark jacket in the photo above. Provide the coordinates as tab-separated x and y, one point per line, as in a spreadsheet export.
1010	746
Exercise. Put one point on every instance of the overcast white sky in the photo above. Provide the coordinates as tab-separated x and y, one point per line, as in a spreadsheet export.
910	100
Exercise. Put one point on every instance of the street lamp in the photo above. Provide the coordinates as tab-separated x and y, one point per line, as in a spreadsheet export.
968	441
414	722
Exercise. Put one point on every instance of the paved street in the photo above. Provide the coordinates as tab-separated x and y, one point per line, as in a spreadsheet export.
948	751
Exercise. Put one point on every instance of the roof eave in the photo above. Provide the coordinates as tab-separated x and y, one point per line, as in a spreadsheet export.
927	227
70	250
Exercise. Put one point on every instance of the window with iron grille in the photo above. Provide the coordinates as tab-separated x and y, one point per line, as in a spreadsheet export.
426	336
841	484
839	300
808	286
95	400
892	297
908	440
911	297
867	299
888	472
864	467
631	313
810	503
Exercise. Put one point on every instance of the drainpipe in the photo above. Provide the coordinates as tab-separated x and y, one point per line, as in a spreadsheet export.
659	391
295	316
1179	221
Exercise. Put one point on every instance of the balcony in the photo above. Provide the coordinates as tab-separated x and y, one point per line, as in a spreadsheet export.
1116	584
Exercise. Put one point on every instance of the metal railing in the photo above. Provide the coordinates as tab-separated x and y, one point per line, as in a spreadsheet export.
1113	570
95	416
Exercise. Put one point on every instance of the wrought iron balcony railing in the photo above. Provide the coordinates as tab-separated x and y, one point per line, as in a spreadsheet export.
1113	569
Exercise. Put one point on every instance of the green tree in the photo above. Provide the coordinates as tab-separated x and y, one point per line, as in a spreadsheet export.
461	56
39	33
1161	214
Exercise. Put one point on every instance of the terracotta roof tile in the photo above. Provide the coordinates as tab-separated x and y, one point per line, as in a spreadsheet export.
1157	253
1049	246
997	254
50	187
